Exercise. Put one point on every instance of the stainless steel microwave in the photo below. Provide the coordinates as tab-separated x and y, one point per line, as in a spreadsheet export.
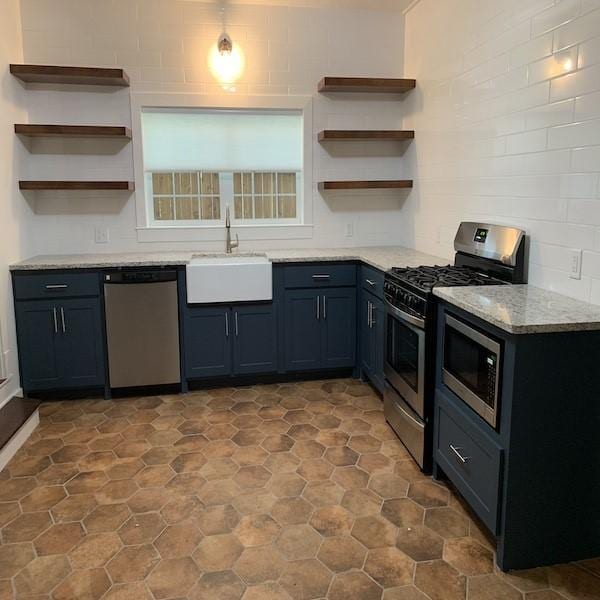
471	367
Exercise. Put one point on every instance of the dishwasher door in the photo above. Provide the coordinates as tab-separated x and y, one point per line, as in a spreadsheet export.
142	326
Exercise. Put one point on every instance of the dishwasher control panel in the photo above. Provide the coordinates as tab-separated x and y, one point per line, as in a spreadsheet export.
153	276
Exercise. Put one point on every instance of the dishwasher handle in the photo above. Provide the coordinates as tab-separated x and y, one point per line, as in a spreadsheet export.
140	276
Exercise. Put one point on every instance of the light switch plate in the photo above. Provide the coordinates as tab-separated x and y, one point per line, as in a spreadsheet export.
575	272
101	235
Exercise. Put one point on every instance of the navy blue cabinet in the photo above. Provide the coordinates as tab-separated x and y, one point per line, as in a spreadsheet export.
207	341
221	341
60	343
372	343
320	328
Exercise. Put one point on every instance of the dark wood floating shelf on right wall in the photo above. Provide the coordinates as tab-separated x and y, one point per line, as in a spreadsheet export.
76	185
395	184
365	135
70	75
368	85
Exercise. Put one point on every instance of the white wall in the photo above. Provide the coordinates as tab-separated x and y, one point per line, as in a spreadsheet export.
163	45
14	212
504	134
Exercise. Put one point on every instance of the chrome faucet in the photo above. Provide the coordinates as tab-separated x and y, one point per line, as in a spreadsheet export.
229	244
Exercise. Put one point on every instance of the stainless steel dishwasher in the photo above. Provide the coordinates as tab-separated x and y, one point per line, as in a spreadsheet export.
142	326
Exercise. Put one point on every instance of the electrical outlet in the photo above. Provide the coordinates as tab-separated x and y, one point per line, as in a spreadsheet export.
349	229
101	235
575	272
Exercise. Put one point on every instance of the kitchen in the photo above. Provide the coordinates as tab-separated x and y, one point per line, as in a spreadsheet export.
229	206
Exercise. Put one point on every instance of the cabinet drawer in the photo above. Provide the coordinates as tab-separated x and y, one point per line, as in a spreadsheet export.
325	275
470	459
372	280
56	285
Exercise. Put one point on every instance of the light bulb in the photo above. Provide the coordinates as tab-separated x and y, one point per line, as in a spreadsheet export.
567	64
226	61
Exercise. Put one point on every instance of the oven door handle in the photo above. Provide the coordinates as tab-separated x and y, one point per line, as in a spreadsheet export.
416	321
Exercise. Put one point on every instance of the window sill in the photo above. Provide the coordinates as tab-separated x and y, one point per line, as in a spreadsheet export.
217	234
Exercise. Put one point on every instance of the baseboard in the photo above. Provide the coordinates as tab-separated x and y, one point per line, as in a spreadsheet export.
18	439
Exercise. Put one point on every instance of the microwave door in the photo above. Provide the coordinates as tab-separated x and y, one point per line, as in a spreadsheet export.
405	356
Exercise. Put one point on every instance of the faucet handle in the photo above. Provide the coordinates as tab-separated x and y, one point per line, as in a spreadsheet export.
236	244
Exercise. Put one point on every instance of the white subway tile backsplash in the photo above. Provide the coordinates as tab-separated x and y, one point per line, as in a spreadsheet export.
503	149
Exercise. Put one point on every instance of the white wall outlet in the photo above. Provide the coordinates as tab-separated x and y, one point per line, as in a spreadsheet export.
349	229
575	272
101	235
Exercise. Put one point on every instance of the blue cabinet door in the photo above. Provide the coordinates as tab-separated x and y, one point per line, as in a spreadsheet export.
255	339
81	343
302	330
378	342
367	347
39	350
338	328
208	332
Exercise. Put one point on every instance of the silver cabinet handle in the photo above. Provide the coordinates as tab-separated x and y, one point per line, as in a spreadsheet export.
237	332
55	320
371	283
57	286
321	276
226	325
318	307
62	318
369	305
372	314
324	307
463	459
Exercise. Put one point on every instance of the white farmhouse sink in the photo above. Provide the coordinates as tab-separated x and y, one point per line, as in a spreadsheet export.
229	279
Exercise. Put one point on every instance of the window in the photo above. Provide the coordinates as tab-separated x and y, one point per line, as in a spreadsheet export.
197	162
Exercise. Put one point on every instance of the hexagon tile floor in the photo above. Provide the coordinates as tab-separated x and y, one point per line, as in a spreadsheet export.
273	492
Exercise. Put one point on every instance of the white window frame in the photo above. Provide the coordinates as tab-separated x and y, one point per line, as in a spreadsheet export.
149	230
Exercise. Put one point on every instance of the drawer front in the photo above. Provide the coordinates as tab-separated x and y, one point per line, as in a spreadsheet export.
56	285
372	280
470	459
325	275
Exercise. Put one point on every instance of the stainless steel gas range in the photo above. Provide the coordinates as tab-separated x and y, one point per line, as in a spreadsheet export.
485	255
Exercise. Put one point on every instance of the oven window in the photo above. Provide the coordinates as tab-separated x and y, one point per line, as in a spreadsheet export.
472	364
403	351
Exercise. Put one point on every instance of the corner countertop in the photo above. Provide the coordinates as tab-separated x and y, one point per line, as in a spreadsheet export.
522	309
380	257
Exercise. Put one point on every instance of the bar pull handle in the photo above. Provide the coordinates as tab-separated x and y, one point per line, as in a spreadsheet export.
369	314
237	331
321	276
463	459
373	322
57	286
324	307
55	320
318	308
62	318
371	283
226	325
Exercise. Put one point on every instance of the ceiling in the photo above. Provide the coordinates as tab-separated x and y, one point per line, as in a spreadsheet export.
390	5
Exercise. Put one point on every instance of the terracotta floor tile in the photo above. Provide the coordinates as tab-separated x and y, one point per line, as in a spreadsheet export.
267	492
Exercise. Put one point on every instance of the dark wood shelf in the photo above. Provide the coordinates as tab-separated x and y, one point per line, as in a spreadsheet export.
70	75
360	135
76	185
369	85
74	131
394	184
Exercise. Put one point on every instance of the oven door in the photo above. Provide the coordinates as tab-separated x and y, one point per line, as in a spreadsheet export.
405	356
471	367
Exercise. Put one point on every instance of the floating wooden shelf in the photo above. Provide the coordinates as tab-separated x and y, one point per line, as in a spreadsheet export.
74	131
395	184
359	135
70	75
76	185
369	85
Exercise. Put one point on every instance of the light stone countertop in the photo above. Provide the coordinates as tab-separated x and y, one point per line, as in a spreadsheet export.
380	257
522	309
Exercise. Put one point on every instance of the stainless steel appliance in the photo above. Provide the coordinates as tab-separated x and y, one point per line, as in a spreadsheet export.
485	255
471	367
142	327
